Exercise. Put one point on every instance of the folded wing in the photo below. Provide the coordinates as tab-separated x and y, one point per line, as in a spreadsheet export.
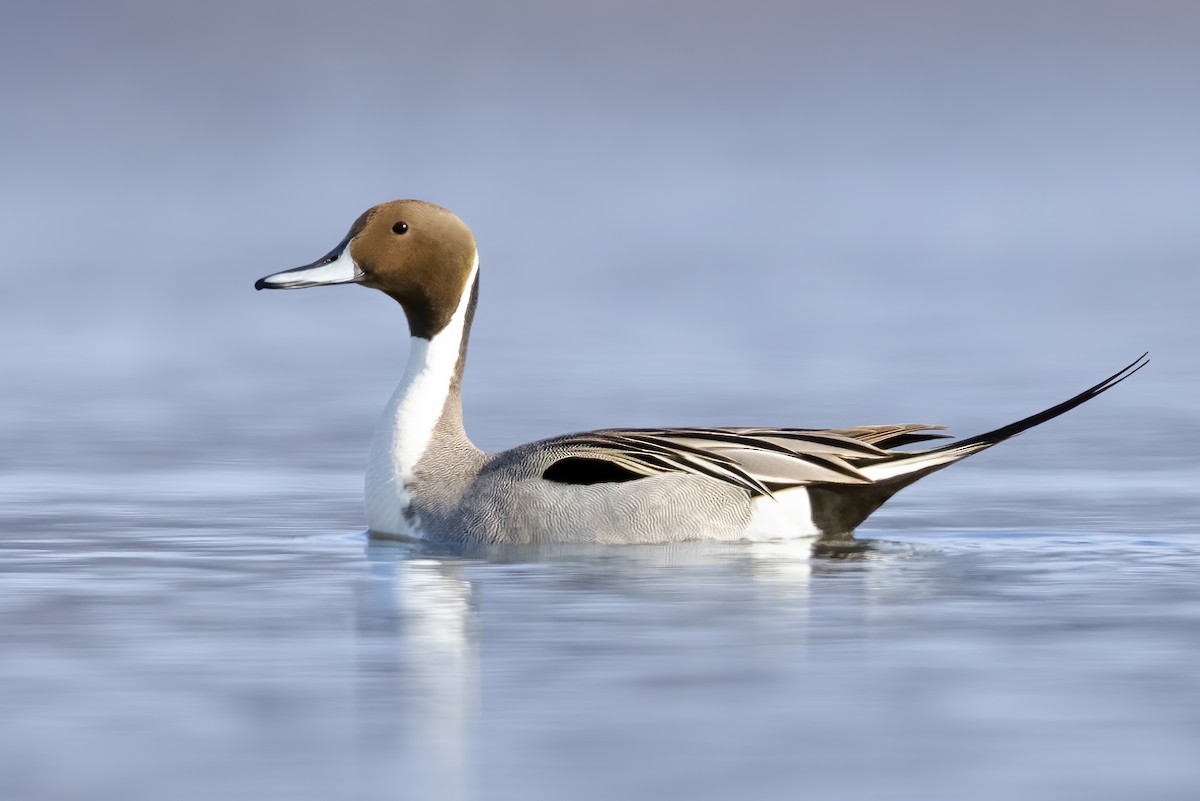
764	461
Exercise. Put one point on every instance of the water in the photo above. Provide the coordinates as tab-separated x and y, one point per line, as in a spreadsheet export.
190	609
806	214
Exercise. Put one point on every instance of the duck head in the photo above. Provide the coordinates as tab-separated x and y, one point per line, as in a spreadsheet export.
418	253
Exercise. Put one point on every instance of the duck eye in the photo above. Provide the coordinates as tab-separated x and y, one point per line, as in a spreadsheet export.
400	227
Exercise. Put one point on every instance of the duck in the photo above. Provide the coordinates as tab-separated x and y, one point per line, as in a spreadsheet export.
425	480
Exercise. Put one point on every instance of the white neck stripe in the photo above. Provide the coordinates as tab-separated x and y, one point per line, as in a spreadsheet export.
408	421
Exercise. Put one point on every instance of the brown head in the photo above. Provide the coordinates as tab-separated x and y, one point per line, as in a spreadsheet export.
418	253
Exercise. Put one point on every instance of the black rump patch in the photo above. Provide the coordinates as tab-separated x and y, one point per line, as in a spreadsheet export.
578	470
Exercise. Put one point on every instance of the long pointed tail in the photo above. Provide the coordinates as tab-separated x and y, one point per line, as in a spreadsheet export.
907	468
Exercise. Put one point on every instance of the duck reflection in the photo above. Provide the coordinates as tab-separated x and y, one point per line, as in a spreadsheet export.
418	675
421	625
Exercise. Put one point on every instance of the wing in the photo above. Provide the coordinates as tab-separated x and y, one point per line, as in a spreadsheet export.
765	460
759	460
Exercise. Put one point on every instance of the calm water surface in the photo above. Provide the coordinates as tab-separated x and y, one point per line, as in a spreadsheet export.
190	610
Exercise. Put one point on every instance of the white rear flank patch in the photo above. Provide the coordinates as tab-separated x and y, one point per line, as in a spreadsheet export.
408	420
786	516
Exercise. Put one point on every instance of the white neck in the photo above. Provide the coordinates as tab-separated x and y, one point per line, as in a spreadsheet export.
406	427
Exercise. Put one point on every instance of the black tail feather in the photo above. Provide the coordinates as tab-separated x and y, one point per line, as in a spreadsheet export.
839	508
1012	429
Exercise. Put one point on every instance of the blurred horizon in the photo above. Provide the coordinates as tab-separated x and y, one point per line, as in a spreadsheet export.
671	197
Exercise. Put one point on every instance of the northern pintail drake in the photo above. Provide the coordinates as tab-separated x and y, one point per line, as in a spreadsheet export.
425	479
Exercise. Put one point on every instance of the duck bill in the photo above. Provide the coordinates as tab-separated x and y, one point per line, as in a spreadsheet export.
335	267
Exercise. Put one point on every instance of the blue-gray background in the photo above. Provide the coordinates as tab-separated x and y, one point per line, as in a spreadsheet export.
799	213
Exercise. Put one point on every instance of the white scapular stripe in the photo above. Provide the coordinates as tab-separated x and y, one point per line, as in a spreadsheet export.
900	467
